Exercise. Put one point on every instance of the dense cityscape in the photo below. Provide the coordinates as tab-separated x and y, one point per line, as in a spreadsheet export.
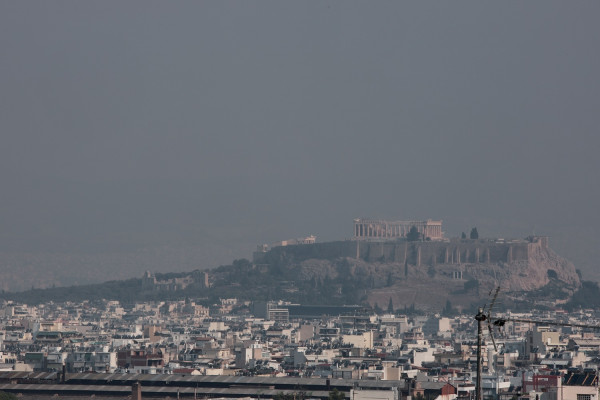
416	356
295	200
246	347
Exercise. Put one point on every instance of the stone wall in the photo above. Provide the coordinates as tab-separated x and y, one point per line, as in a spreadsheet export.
456	251
452	252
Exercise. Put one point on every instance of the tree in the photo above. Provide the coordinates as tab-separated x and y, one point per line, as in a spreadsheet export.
463	235
283	396
448	309
410	310
390	308
336	395
474	234
296	395
588	295
413	234
377	309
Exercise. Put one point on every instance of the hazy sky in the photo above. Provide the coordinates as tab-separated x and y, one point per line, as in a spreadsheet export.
223	124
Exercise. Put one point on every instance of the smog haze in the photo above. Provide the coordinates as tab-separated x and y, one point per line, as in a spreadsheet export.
170	136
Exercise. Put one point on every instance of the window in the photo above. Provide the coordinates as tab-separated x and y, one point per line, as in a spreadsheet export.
584	397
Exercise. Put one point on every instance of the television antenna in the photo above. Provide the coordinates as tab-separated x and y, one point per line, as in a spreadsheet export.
482	317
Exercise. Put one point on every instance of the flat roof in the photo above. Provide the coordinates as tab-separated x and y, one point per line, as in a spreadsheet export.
180	380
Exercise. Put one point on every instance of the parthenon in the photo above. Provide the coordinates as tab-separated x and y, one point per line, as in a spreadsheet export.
378	229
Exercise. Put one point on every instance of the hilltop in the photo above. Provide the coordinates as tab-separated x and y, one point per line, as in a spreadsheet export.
426	275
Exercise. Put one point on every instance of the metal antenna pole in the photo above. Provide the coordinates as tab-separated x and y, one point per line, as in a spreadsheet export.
480	317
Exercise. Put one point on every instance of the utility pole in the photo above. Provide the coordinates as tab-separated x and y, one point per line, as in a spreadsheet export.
480	317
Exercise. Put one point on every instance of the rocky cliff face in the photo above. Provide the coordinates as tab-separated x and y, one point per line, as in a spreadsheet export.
429	286
548	260
532	274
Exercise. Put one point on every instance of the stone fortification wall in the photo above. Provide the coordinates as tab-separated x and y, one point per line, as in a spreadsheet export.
481	251
451	252
516	265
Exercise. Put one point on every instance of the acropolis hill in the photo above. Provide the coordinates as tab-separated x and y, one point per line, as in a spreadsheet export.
430	271
379	264
459	255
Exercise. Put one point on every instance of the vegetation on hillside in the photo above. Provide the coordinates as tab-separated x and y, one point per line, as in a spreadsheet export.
242	279
588	296
301	274
413	234
7	396
474	234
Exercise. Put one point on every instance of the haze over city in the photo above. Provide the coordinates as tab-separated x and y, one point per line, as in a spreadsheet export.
174	136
